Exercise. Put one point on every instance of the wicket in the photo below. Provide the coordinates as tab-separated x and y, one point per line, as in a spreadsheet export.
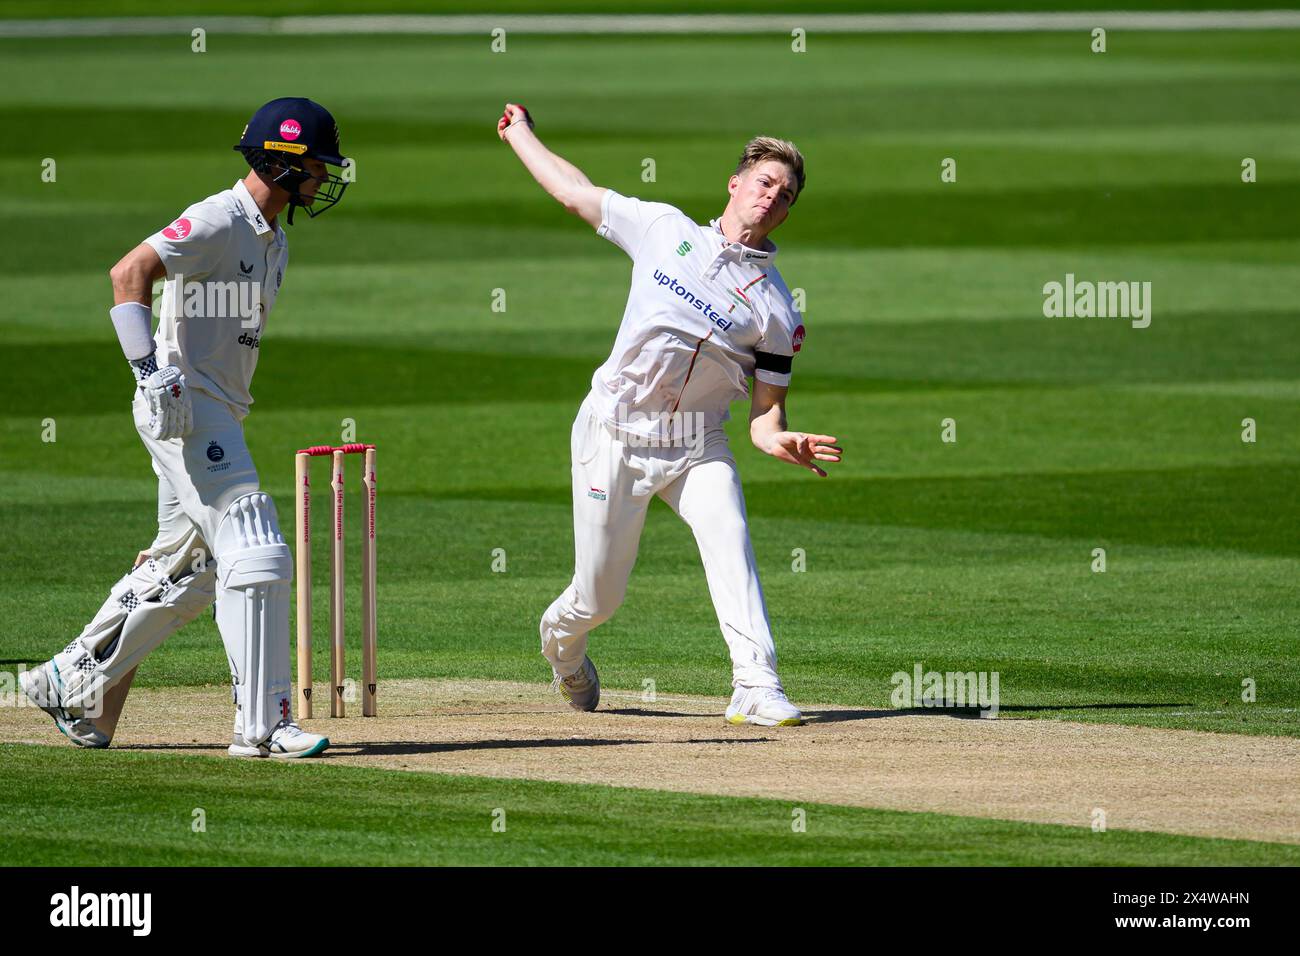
302	481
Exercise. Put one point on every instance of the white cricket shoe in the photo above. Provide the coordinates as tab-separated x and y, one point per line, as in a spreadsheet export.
287	741
41	685
581	688
765	706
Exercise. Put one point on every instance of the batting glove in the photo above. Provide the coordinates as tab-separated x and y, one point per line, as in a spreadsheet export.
170	412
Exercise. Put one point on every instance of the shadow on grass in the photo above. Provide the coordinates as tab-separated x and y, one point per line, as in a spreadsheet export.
637	712
398	748
966	713
401	748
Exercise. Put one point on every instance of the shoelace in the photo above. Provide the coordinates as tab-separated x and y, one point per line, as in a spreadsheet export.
287	728
578	680
755	696
575	681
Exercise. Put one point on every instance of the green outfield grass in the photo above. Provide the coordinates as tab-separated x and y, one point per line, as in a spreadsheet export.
145	816
923	303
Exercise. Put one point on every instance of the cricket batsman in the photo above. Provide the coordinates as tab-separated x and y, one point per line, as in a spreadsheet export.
218	537
707	310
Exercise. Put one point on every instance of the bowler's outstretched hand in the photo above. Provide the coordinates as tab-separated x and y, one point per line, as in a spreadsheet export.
805	450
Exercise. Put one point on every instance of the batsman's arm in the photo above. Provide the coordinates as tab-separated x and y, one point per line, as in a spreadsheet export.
134	275
171	413
565	182
767	430
133	279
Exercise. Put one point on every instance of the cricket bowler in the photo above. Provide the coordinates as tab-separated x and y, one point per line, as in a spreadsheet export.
707	310
218	539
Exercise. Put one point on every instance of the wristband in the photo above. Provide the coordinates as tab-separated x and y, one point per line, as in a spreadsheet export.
145	367
134	324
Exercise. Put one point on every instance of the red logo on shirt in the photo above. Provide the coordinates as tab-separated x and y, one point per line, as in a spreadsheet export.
290	129
797	338
179	229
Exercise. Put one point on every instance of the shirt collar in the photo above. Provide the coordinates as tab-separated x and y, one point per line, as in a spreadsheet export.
249	206
740	252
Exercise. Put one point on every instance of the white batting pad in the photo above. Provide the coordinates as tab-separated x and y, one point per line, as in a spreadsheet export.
254	571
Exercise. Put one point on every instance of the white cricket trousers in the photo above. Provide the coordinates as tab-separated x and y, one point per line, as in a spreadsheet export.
613	481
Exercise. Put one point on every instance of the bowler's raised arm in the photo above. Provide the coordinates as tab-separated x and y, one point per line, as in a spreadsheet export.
566	182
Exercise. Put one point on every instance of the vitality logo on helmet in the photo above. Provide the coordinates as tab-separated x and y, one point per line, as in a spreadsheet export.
284	133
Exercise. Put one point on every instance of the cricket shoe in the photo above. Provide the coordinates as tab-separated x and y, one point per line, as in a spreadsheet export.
581	688
765	706
41	685
287	742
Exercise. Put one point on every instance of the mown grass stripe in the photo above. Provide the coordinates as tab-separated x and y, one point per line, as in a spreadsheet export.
258	814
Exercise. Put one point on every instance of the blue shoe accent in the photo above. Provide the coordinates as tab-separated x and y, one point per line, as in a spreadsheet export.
58	722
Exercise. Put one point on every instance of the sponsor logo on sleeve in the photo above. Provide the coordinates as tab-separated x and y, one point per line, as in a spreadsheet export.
797	338
180	229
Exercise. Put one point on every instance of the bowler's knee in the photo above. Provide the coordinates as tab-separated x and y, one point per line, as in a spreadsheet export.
728	529
589	607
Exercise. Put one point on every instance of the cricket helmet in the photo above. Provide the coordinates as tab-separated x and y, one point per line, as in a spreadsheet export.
284	132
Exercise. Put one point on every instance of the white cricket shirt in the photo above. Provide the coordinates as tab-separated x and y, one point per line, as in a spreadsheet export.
231	262
703	314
